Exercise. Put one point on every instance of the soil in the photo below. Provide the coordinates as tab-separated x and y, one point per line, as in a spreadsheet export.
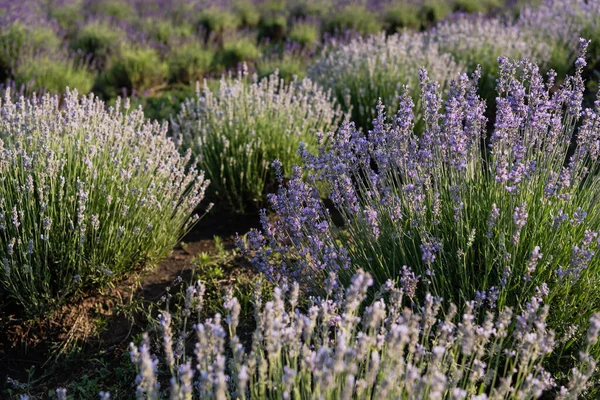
40	343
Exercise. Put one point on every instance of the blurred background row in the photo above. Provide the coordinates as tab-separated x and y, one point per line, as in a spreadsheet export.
155	50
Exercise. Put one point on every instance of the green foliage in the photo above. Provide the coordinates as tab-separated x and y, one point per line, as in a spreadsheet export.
86	196
236	51
476	6
287	64
68	16
189	63
272	27
309	9
270	7
354	18
19	40
217	21
238	130
433	11
247	13
102	376
117	9
165	104
165	31
182	11
135	68
98	39
54	75
401	16
305	33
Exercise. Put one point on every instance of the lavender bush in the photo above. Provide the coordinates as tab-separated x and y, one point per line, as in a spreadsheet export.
239	129
135	69
86	195
475	217
98	40
346	347
365	70
19	41
479	42
54	74
559	24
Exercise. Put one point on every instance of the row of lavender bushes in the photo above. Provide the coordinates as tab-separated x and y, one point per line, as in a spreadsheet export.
144	46
482	249
116	45
365	69
236	146
357	73
426	200
89	194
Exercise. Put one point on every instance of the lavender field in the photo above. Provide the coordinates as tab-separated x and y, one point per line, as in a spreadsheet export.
300	199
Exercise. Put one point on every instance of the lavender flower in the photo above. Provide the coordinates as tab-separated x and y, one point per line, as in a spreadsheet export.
238	130
366	70
54	198
464	211
387	350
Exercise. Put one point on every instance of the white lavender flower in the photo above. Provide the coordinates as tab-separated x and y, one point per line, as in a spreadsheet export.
385	351
235	132
73	188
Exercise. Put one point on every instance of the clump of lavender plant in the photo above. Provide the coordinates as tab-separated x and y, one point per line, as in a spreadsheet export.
506	214
345	346
19	41
480	41
54	74
239	129
365	70
86	195
559	23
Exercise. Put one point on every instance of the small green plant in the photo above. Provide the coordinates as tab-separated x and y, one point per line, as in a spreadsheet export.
272	27
354	18
99	40
304	33
165	31
54	75
217	21
247	13
239	129
87	195
136	68
236	51
19	41
402	16
117	9
202	260
189	63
